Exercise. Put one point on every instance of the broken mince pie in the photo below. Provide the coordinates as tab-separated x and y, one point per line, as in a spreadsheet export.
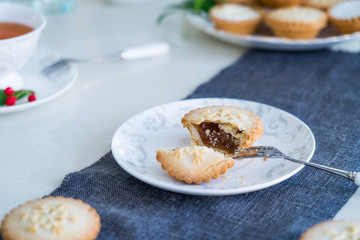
223	128
194	164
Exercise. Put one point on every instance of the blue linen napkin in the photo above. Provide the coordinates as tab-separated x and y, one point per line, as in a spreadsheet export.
321	88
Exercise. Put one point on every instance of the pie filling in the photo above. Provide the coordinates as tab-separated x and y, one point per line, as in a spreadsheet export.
212	135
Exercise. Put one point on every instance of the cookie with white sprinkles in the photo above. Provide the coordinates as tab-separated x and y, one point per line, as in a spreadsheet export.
334	229
51	218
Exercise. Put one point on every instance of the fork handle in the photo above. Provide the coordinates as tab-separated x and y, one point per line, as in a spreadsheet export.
145	51
354	176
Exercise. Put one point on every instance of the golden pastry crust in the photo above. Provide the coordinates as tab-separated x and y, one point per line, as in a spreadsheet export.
243	26
51	218
335	229
296	22
224	128
322	4
236	1
280	3
250	3
194	164
345	24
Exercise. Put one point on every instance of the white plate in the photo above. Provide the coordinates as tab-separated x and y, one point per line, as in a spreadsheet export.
46	87
135	142
263	39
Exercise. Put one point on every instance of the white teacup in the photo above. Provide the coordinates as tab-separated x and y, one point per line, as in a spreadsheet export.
16	51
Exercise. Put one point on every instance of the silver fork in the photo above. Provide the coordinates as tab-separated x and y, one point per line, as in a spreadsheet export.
144	51
272	152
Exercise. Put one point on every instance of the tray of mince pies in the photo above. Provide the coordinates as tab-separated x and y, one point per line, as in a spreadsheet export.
281	24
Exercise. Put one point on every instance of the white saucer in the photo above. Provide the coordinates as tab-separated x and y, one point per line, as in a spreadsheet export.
29	77
135	143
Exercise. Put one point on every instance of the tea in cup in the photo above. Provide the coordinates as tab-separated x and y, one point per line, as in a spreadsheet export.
20	29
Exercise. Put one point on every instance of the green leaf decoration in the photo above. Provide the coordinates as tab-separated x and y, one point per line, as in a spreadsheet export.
196	6
18	94
22	93
203	5
2	97
170	10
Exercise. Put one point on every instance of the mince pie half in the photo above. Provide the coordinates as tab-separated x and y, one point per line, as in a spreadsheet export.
194	164
223	128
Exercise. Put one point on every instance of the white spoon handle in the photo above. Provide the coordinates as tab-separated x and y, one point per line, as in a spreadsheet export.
145	51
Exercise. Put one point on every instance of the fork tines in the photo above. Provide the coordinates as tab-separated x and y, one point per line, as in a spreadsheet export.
54	67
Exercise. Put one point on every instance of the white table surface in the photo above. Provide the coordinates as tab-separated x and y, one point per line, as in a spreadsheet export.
41	145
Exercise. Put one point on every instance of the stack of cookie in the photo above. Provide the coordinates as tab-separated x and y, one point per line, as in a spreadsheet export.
293	19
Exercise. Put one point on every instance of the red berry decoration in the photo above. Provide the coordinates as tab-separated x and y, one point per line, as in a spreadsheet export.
11	100
9	91
31	98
